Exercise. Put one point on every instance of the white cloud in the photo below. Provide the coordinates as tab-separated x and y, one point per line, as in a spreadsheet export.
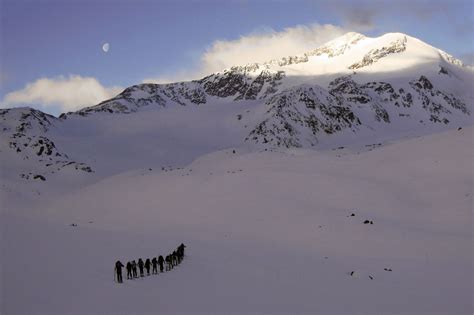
60	94
257	47
269	45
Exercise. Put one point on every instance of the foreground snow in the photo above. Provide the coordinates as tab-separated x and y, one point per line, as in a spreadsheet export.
267	233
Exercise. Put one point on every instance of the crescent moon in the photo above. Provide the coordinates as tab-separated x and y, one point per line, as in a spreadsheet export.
106	47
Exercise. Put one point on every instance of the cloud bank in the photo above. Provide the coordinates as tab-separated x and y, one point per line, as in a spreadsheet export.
258	46
61	94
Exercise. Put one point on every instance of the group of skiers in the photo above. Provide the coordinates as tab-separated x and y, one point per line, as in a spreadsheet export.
132	267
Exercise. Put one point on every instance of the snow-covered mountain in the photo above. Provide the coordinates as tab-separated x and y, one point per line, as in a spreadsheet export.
324	183
354	89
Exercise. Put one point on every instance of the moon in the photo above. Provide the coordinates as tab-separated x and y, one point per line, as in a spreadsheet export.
106	47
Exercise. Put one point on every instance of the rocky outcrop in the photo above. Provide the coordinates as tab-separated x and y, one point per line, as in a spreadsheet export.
375	54
438	103
351	92
25	132
296	117
137	96
243	83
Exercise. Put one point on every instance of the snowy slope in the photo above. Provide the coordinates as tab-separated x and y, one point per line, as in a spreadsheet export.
267	233
257	168
391	82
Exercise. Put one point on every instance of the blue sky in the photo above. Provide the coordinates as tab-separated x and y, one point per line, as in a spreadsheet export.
54	40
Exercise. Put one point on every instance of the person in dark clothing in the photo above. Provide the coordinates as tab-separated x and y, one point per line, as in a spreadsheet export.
168	262
147	266
171	260
181	252
160	262
118	270
174	258
134	269
140	266
154	262
129	270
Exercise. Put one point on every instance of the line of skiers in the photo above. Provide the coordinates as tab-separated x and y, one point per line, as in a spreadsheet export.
132	267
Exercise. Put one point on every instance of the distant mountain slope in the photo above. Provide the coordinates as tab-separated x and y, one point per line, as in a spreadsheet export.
352	89
25	132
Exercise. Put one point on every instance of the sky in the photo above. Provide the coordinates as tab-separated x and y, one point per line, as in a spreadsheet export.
52	58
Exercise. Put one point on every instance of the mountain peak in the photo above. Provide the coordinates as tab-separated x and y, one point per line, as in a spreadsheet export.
349	37
390	52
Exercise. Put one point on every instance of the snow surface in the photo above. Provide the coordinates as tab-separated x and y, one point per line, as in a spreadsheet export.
269	229
267	233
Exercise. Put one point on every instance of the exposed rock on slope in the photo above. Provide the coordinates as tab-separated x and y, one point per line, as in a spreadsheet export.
374	55
297	115
25	131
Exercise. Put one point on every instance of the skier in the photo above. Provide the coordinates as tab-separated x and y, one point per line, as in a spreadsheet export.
140	266
129	270
160	262
147	266
181	251
154	262
134	269
168	262
174	258
118	270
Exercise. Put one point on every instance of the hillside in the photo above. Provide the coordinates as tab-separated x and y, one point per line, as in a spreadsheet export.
267	233
338	181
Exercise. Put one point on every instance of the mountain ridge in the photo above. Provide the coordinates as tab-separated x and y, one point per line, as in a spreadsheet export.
245	81
353	88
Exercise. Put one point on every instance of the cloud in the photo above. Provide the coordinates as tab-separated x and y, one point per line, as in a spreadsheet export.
258	46
60	94
360	17
364	15
268	45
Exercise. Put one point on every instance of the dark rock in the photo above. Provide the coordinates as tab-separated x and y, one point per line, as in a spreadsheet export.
41	177
443	70
375	54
